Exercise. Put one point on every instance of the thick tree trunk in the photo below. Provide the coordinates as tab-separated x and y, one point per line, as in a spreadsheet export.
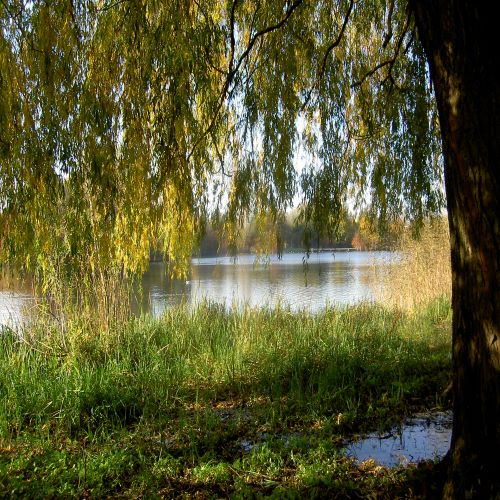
461	43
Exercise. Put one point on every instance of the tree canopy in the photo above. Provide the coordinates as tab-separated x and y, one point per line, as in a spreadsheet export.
129	123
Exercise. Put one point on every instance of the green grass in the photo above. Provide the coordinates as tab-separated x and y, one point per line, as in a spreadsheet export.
214	403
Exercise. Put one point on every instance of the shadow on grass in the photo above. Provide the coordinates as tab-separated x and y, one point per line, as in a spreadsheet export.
166	410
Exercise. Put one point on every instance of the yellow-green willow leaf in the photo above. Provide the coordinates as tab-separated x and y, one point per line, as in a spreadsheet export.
124	125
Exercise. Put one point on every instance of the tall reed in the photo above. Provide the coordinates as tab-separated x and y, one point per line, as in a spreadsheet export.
93	302
423	272
336	362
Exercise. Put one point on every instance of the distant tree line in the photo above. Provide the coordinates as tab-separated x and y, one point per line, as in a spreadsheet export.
359	233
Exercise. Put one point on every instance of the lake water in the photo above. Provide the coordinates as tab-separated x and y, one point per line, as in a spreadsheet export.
325	278
12	305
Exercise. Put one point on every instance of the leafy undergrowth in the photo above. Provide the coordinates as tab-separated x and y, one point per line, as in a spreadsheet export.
141	465
210	403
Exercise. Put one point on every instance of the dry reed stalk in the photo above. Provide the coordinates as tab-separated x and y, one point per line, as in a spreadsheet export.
424	271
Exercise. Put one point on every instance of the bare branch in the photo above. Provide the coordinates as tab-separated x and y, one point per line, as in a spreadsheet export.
110	6
388	35
269	29
337	41
372	71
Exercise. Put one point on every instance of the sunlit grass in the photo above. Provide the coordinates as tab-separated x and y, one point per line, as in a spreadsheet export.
167	403
336	361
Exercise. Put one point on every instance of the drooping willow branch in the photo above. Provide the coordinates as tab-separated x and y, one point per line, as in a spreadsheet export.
388	62
328	50
234	68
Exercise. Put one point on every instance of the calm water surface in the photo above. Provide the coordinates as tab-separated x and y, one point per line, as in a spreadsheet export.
12	305
425	436
325	278
422	437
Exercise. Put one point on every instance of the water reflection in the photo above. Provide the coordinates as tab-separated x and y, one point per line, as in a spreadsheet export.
341	278
12	305
423	437
325	278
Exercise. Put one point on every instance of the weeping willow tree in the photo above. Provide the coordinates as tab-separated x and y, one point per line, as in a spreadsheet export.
126	124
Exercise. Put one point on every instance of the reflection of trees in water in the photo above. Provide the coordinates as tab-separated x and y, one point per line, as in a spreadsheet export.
326	278
340	278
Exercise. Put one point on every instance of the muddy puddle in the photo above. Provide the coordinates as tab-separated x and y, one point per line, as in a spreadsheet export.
422	437
425	436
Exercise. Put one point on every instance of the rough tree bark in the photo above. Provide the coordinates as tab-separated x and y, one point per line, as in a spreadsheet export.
461	44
